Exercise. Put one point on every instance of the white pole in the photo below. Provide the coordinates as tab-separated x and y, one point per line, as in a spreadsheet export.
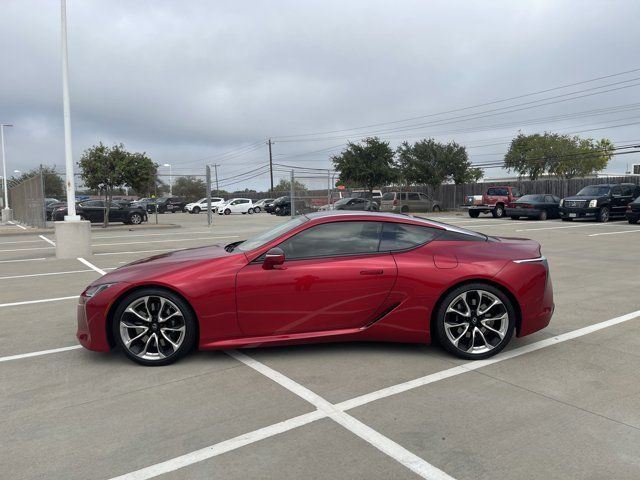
4	166
71	188
170	181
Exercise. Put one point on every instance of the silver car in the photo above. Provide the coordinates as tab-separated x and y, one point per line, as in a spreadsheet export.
406	202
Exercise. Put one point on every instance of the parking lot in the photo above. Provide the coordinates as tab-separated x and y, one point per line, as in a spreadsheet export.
562	403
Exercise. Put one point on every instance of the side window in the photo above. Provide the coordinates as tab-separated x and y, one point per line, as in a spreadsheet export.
556	199
549	199
424	198
616	190
627	190
515	192
93	204
333	239
400	236
413	196
491	191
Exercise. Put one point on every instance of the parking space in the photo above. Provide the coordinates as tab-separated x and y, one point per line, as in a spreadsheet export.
562	403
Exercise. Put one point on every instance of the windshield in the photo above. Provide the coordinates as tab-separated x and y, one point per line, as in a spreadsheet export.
531	198
389	196
594	191
342	201
269	235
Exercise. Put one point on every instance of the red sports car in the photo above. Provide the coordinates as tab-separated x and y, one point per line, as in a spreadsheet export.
323	277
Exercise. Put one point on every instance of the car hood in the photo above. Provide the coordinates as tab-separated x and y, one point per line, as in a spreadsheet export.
165	263
584	197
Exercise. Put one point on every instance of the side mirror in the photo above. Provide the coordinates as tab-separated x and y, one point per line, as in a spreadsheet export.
274	257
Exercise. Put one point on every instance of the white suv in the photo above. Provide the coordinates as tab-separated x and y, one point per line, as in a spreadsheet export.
200	205
236	205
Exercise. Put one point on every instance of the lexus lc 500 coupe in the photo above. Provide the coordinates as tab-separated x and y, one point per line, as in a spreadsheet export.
362	276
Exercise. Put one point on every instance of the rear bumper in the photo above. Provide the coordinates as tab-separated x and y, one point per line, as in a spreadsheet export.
523	212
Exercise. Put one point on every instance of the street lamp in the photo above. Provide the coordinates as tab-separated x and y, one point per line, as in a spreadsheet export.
6	211
170	178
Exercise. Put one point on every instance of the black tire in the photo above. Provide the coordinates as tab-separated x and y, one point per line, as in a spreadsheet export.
498	211
190	323
567	219
227	211
515	217
436	208
257	209
542	215
135	218
441	334
603	215
404	209
633	221
196	210
474	213
250	211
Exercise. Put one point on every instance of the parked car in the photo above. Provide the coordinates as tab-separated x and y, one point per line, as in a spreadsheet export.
261	204
540	206
167	204
599	202
271	207
355	204
328	277
93	210
494	201
201	205
236	205
301	205
633	211
406	202
51	207
47	201
374	195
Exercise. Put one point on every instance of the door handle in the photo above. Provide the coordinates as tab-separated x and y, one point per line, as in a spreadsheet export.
372	271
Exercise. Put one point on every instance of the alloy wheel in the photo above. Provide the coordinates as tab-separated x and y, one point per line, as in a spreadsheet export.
152	328
136	219
476	322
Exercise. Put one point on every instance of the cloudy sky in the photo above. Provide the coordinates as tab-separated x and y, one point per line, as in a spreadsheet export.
202	81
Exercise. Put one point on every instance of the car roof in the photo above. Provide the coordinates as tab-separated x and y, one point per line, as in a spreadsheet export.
397	217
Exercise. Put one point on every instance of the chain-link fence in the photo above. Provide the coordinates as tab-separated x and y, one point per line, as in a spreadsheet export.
26	199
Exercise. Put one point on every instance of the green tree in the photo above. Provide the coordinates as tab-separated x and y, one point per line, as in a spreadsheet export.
190	188
107	168
368	164
554	154
52	181
284	186
428	162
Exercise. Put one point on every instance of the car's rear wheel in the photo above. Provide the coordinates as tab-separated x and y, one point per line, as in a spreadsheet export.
475	321
436	208
633	221
474	214
515	217
565	219
404	209
135	219
542	215
154	327
603	215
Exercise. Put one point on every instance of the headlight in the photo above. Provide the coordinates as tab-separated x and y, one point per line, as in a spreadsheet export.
96	289
562	202
593	203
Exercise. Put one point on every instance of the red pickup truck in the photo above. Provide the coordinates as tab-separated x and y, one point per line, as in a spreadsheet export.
494	201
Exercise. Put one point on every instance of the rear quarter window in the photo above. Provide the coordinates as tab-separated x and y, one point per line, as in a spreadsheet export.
400	236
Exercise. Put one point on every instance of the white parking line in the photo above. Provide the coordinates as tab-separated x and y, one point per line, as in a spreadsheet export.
162	241
29	302
614	233
37	354
47	240
26	249
67	272
260	434
382	443
18	225
92	266
568	226
497	224
20	241
23	260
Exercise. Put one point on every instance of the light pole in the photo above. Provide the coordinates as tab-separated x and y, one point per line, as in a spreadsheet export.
73	236
170	178
6	211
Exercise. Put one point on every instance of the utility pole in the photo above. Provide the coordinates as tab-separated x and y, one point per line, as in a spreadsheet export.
215	169
270	164
292	192
209	194
7	213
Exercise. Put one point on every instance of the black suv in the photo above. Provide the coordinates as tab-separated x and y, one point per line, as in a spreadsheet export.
600	202
169	204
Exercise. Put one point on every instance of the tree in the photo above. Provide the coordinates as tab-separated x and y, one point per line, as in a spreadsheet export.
52	181
367	164
428	162
554	154
285	186
107	168
190	188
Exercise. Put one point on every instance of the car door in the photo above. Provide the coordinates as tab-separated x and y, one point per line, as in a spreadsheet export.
618	205
93	210
116	213
426	204
626	197
333	278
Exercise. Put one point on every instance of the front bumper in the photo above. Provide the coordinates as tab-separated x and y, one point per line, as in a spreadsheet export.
566	212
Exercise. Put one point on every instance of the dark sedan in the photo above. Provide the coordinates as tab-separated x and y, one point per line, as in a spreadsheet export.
93	210
271	207
540	206
355	203
633	211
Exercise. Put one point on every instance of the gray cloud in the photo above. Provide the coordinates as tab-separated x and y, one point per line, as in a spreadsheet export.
183	80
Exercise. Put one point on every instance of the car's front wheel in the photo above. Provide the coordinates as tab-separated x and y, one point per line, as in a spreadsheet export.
256	209
475	321
154	327
498	212
250	211
135	219
227	211
603	215
196	210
